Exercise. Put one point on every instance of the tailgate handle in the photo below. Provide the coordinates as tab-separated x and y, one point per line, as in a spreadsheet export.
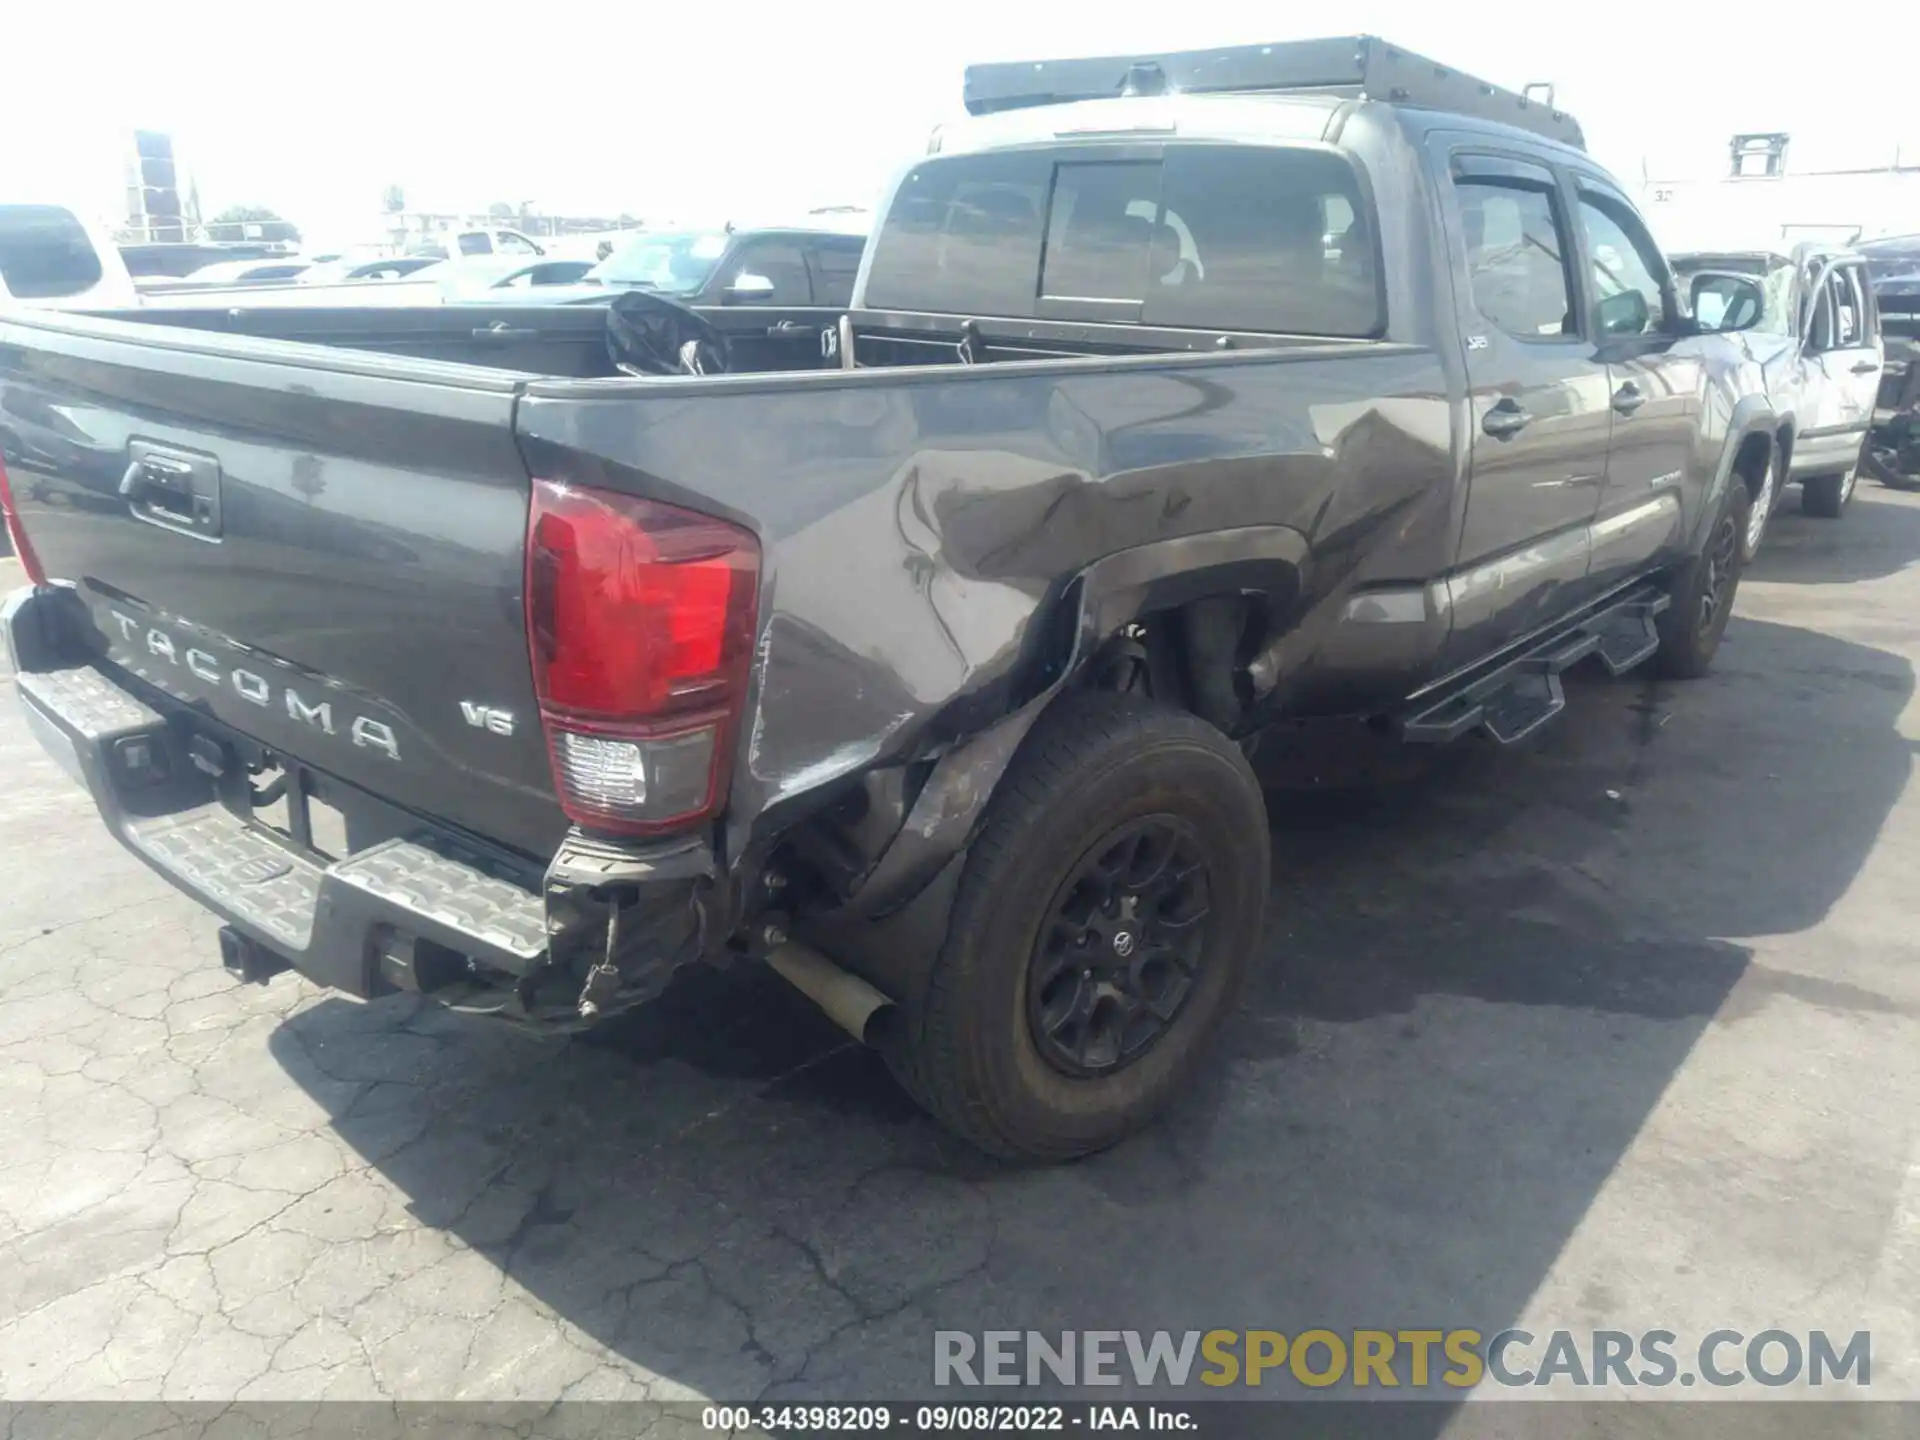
174	489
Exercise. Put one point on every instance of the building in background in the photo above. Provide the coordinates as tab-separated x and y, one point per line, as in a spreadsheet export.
161	204
1760	191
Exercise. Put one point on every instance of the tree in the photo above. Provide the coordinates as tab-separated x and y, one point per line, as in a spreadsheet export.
393	199
232	224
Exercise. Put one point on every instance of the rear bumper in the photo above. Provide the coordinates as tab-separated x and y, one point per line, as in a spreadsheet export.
421	911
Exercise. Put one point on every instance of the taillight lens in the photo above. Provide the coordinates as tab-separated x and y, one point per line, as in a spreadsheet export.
640	617
17	533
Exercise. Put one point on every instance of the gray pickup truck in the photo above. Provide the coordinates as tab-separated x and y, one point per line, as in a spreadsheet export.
1180	394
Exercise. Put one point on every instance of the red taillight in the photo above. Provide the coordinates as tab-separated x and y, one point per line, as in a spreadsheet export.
640	618
17	533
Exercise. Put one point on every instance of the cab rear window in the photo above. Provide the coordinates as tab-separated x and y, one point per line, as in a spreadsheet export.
45	253
1214	237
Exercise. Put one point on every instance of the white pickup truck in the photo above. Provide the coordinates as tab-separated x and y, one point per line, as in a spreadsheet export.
54	256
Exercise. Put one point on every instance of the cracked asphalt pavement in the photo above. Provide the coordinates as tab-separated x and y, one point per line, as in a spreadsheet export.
1615	1030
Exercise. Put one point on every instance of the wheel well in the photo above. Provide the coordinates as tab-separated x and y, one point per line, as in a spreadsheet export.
1192	655
1751	460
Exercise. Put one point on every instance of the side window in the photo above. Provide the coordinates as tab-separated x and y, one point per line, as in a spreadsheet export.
834	268
779	261
515	245
44	253
1628	298
1517	258
1263	238
1850	321
475	242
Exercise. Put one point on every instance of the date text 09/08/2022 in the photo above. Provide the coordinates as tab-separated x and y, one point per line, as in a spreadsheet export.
936	1419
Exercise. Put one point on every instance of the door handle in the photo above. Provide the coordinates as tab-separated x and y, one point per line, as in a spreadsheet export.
787	329
1505	420
1867	367
1628	398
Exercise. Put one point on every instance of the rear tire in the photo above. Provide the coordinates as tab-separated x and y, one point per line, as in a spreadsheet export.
1703	590
1106	917
1761	510
1826	496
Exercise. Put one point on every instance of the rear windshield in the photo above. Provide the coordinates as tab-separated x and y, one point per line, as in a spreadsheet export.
45	253
1214	237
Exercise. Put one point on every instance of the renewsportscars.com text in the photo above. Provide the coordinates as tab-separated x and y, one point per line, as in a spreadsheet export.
1445	1360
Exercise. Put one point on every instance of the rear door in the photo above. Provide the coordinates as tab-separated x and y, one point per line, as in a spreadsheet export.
319	550
767	306
1656	381
1538	398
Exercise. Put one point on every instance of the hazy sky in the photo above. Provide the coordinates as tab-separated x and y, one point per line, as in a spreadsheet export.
705	111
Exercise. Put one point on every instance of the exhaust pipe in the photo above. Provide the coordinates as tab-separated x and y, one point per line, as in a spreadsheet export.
850	1002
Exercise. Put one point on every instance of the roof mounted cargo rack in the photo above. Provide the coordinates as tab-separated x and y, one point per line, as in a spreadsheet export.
1359	66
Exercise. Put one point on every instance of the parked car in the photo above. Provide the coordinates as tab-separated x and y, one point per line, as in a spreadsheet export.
492	241
263	271
1818	344
485	278
379	267
53	255
1893	449
793	267
926	678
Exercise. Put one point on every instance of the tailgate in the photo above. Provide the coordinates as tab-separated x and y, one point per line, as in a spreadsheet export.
323	551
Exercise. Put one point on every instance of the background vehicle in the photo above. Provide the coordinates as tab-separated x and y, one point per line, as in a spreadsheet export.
1818	345
250	272
51	255
380	267
492	241
1893	450
926	678
484	278
785	267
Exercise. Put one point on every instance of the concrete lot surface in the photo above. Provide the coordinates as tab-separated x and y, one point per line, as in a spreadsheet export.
1619	1031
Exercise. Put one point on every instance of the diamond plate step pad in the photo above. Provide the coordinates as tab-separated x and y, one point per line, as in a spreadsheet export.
88	701
222	858
456	894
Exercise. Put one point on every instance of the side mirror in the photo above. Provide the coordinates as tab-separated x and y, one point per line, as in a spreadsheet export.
1624	314
747	289
1723	303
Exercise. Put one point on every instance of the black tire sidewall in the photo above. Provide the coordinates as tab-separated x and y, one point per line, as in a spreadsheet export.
1034	1106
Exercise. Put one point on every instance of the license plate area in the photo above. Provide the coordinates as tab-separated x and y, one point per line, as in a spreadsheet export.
303	807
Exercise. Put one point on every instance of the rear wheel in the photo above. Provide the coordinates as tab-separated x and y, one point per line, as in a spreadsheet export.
1106	915
1825	496
1702	594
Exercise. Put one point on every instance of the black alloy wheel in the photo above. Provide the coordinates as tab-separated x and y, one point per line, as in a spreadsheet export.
1121	949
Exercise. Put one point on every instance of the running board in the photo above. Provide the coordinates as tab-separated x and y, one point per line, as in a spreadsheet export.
1522	693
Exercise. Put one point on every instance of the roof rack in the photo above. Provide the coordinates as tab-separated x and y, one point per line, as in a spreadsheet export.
1359	66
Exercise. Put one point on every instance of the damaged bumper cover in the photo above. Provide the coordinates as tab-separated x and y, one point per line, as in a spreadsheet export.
603	929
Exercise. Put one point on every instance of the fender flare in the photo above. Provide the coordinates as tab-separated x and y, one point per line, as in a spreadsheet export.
1111	592
1752	415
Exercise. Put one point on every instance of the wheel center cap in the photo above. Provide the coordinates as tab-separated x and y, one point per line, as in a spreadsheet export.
1123	943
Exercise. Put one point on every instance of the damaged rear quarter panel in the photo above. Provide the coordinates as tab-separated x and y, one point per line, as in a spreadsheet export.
913	522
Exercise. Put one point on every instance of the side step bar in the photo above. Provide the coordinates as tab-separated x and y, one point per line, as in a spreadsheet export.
1522	692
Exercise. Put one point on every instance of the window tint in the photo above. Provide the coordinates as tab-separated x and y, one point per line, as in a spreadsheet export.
475	243
45	253
1100	232
1624	264
779	261
963	237
834	268
1516	256
1263	238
